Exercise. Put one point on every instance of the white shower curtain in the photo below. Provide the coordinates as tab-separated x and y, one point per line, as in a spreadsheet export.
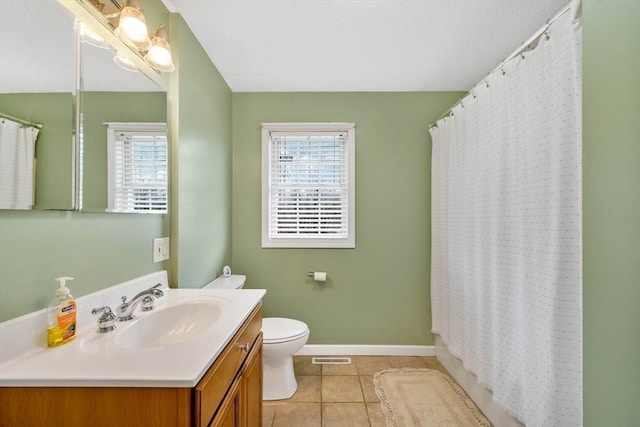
17	150
506	267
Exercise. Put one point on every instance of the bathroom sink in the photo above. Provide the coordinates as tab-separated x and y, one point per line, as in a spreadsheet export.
171	324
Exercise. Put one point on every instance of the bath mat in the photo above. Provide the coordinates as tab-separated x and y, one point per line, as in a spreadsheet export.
425	398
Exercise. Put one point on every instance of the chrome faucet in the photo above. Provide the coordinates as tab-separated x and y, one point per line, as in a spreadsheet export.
125	310
107	321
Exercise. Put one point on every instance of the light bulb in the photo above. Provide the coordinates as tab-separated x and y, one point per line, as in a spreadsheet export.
159	54
132	28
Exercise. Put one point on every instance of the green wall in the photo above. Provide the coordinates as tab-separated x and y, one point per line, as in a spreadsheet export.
611	207
53	146
99	250
377	293
101	107
200	110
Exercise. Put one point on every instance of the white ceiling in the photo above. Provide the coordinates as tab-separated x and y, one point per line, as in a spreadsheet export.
36	47
360	45
293	45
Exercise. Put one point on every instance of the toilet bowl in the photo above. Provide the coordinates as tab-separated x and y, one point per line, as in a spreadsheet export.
282	338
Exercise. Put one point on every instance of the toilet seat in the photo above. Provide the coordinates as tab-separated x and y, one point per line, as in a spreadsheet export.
279	330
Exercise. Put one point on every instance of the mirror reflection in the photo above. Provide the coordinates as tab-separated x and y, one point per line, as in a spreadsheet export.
37	81
123	143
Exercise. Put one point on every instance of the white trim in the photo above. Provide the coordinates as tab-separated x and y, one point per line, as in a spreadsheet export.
130	128
308	127
328	242
480	395
111	162
138	126
366	350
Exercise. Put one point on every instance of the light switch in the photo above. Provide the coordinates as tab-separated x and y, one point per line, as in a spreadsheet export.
160	249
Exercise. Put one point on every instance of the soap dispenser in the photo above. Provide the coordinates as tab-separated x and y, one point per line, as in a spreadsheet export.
61	315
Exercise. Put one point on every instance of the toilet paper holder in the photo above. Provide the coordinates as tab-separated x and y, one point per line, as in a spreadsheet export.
318	276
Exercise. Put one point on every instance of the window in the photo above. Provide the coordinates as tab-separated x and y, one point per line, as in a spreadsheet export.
308	185
138	167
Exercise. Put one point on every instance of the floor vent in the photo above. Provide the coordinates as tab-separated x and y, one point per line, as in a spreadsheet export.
331	361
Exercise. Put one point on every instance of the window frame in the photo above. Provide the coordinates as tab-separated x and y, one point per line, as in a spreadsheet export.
315	242
113	128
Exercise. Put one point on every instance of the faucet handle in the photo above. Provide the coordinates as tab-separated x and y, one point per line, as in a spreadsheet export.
106	322
106	310
147	303
123	299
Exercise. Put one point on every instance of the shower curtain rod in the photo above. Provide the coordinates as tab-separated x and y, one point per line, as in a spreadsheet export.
523	47
22	122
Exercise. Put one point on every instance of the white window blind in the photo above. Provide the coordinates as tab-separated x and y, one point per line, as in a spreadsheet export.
309	200
138	168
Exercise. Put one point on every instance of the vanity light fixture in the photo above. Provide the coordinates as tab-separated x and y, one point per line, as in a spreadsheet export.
159	54
132	27
132	30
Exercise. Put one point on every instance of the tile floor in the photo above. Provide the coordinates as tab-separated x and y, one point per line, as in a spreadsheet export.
337	395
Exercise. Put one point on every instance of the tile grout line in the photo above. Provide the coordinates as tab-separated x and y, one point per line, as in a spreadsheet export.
364	399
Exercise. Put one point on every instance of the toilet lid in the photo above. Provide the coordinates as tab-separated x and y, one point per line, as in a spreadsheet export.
280	329
235	281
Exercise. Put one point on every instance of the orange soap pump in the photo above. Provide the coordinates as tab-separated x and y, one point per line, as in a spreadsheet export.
61	315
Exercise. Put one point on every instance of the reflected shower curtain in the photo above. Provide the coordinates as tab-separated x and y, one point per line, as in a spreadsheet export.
17	151
506	267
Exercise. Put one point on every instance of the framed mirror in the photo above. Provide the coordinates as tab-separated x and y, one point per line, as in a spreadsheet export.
123	149
37	86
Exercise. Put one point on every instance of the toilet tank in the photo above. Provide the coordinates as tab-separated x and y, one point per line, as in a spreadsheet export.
235	281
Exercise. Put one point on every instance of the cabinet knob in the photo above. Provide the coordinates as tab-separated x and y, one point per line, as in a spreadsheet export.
246	347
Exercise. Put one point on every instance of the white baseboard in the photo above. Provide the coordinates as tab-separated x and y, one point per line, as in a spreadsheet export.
366	350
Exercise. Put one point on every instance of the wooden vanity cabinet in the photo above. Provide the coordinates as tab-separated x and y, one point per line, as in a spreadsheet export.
236	363
229	394
238	409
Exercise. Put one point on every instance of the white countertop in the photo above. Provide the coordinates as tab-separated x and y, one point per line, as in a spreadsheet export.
98	360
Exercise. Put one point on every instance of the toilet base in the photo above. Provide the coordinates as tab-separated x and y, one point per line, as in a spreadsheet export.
279	380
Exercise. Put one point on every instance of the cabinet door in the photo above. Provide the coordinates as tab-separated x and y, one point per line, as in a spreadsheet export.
251	387
214	386
229	413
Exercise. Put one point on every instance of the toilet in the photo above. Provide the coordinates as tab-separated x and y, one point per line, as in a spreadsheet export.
282	338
